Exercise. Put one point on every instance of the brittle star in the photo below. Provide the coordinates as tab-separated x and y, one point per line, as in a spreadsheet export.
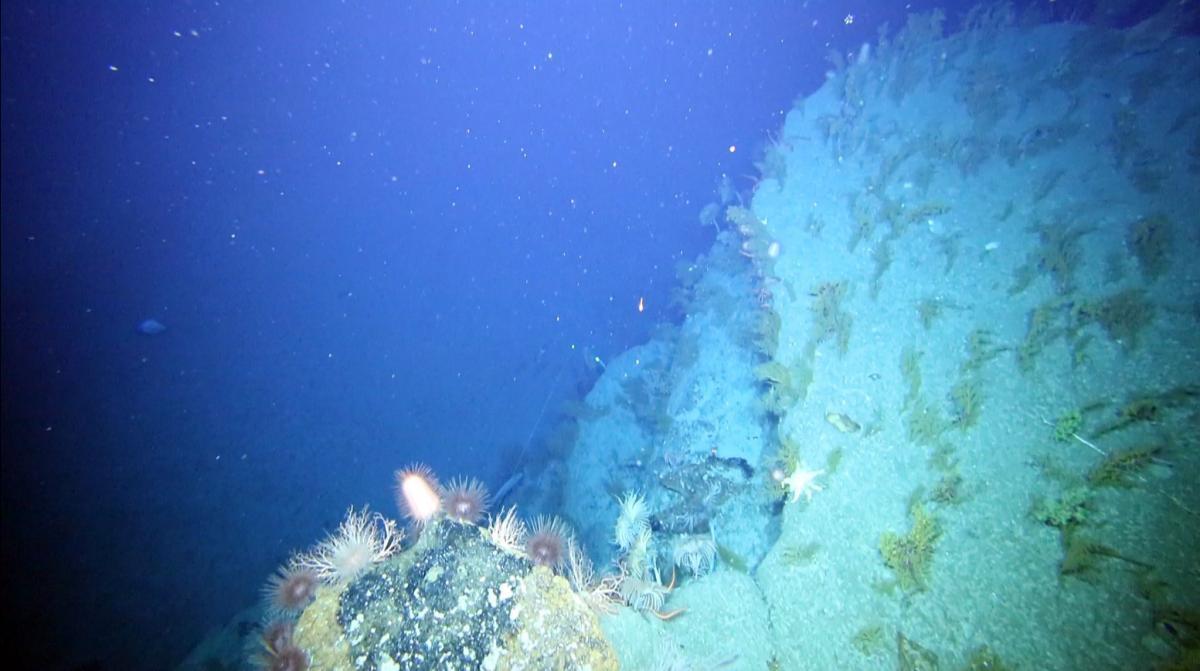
671	613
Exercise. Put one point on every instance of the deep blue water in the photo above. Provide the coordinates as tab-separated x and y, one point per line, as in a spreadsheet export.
374	233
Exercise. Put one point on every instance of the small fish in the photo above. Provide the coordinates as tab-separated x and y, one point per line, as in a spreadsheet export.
505	489
151	327
842	422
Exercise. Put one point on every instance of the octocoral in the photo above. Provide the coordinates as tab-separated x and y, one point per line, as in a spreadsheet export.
507	531
1118	467
911	555
1066	512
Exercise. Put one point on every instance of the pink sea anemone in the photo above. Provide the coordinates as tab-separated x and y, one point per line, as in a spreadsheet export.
547	542
466	500
290	658
277	636
290	589
418	494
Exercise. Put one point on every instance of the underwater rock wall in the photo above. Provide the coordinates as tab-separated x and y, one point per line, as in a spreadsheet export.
971	244
964	298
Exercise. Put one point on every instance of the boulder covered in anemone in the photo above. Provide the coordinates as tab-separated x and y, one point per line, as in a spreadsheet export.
455	600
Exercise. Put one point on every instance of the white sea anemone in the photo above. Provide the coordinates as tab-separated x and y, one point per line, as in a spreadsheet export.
697	554
418	494
362	539
633	519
